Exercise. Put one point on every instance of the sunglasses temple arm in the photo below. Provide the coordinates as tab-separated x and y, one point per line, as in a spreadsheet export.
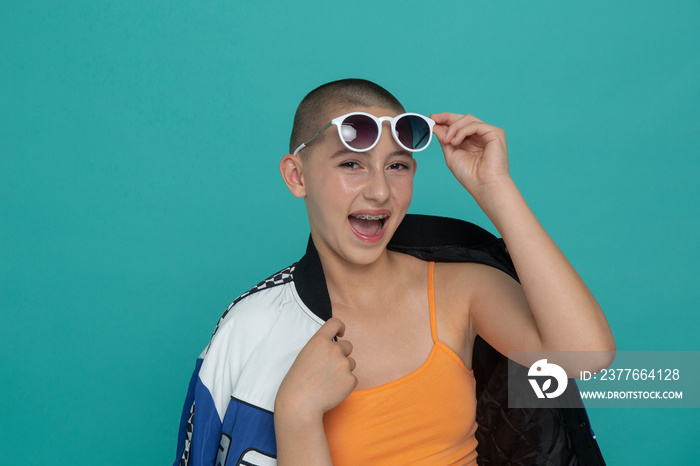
313	137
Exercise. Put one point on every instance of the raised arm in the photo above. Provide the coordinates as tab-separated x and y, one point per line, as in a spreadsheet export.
553	310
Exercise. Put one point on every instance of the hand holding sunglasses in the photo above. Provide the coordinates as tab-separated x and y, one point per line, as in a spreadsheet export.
475	152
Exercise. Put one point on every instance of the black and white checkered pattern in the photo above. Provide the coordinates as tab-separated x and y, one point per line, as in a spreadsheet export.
185	459
280	278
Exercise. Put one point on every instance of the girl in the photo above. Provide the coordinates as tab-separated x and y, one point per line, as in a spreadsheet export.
387	379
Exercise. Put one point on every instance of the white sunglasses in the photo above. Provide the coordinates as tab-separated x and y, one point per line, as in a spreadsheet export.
360	132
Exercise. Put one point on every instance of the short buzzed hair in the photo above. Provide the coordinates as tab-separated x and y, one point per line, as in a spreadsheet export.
313	111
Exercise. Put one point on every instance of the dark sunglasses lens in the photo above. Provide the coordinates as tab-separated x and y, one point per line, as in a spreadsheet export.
359	131
413	132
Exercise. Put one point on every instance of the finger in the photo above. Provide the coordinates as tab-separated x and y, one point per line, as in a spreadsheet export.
346	346
475	128
464	133
447	148
333	327
440	131
457	125
445	118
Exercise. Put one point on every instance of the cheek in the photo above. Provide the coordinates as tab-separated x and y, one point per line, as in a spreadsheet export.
328	194
403	190
339	188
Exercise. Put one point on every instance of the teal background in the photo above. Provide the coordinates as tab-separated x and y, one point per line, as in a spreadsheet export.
139	189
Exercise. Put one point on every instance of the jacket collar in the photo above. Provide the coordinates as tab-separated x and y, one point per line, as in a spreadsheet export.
427	237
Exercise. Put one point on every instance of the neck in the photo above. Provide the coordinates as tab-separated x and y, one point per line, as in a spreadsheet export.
353	285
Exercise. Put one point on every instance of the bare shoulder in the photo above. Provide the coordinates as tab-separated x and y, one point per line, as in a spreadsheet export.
409	266
464	279
459	279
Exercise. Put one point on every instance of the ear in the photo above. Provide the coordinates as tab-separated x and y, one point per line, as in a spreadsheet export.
415	166
290	168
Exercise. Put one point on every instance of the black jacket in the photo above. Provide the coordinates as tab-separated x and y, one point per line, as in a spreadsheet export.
537	436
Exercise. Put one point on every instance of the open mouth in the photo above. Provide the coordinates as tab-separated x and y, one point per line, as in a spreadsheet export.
368	226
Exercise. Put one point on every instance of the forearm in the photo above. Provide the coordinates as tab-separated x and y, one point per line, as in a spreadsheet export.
567	315
320	378
301	441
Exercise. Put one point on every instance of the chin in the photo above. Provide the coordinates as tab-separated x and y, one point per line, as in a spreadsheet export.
363	259
367	253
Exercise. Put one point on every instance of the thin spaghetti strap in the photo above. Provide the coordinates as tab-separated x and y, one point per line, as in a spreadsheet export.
431	301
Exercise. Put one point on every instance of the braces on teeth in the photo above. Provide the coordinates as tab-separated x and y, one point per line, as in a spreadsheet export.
370	217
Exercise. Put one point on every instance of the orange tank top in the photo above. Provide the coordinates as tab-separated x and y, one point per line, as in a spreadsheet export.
427	417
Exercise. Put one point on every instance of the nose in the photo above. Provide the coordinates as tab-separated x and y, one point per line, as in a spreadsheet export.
377	189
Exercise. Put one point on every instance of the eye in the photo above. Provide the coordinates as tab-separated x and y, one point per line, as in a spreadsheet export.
350	164
398	166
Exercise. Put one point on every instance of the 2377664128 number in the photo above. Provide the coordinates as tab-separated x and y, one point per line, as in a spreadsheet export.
639	374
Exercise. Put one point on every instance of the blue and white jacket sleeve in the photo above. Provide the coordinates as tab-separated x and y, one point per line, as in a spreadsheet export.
228	414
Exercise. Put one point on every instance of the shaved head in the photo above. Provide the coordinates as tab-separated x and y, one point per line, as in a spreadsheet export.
315	110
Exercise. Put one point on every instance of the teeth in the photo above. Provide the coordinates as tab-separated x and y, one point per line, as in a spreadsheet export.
370	217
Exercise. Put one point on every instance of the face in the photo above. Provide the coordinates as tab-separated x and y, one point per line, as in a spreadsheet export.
356	200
